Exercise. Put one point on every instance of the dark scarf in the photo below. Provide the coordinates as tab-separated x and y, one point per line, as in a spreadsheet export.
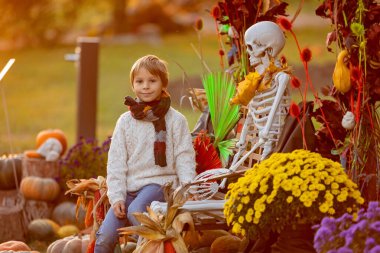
154	112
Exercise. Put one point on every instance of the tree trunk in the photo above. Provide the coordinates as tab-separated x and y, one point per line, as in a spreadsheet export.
120	16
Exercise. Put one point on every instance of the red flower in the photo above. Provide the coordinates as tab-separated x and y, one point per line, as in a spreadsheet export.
306	55
355	73
284	23
221	52
206	155
283	60
295	82
215	12
294	110
198	24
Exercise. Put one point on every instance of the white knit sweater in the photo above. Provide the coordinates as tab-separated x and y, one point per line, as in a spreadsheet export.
131	162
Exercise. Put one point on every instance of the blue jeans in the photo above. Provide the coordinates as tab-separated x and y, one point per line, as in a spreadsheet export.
107	236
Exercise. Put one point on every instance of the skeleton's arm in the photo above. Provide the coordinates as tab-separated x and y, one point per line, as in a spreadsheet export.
283	80
247	123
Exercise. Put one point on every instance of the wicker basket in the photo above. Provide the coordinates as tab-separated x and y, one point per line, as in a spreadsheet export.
12	222
35	209
39	167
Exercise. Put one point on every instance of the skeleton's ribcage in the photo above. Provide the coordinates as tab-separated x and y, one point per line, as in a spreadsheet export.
259	108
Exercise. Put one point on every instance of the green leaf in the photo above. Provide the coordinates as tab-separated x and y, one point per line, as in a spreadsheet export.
225	150
220	89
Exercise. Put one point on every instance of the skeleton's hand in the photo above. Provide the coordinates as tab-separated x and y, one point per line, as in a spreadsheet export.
240	144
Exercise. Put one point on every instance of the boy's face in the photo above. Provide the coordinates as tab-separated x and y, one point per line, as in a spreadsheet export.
146	86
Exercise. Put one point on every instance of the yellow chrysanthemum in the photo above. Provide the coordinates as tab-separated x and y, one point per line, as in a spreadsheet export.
296	193
263	189
360	200
300	180
329	196
307	203
236	228
331	211
323	208
245	199
320	187
258	215
286	185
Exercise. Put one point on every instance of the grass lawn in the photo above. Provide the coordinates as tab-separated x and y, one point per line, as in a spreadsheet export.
40	88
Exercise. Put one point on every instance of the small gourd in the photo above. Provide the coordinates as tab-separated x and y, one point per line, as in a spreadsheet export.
226	244
67	230
341	75
200	239
42	229
64	213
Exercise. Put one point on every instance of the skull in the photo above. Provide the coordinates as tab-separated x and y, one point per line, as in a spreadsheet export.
263	39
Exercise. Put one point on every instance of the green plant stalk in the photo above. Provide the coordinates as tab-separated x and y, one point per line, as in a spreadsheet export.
225	150
220	89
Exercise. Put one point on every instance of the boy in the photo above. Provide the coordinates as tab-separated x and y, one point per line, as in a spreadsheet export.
151	145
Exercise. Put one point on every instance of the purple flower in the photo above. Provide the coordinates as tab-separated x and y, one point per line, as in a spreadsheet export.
373	205
369	243
375	249
345	250
348	239
321	237
375	226
344	218
329	223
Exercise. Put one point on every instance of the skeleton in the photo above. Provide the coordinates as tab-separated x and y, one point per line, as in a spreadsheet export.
267	110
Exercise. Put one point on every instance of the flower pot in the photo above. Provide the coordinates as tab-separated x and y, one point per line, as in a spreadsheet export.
297	238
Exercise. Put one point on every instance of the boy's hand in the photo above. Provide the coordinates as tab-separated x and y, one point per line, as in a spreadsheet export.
119	209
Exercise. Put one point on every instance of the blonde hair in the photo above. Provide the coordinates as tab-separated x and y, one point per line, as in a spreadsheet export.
154	65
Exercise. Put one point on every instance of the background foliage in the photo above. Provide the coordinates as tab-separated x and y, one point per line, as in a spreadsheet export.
40	88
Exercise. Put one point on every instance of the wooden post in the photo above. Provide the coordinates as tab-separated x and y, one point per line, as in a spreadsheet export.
87	86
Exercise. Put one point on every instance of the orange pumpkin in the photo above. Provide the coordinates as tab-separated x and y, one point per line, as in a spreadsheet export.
32	154
52	133
7	177
38	188
14	245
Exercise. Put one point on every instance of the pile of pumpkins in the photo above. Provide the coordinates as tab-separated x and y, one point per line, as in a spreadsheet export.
62	223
